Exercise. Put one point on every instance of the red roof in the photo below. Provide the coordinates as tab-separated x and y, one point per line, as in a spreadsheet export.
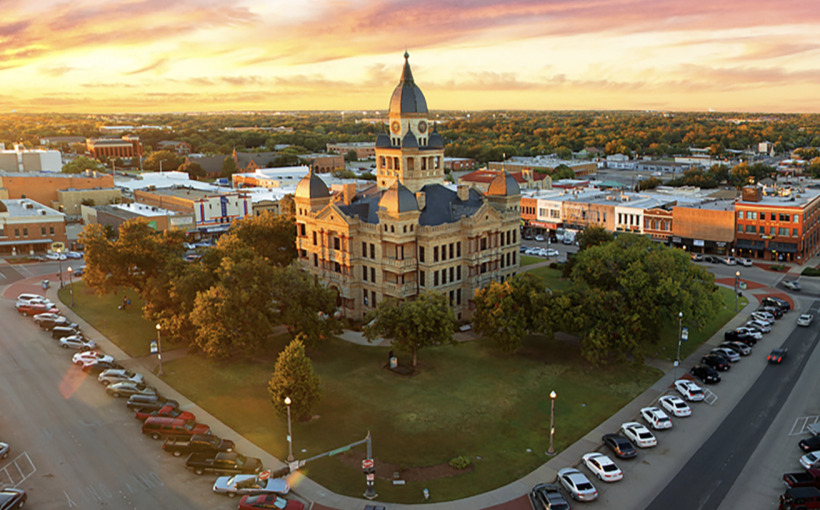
486	176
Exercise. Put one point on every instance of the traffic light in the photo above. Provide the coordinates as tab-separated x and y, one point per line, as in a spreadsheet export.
280	473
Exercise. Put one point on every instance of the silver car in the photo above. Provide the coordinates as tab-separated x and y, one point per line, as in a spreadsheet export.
77	342
115	375
250	484
577	484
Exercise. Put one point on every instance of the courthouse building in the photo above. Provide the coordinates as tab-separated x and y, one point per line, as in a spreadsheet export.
408	233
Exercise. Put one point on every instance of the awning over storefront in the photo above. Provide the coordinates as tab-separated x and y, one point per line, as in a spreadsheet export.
783	247
542	224
750	244
25	241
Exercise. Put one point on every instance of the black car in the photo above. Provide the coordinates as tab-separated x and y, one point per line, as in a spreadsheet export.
51	322
716	361
738	347
777	356
620	446
99	366
774	301
734	335
58	332
547	496
810	444
149	403
705	373
12	498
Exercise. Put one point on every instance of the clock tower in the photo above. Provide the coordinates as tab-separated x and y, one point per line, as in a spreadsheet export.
412	152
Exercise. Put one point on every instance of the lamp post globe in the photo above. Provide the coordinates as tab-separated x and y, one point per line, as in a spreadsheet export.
288	401
553	396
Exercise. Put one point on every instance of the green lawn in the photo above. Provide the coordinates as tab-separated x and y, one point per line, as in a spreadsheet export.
553	278
468	399
527	260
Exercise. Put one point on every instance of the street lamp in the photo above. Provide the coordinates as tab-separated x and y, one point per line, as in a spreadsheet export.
159	348
290	437
680	332
71	285
553	396
60	264
737	283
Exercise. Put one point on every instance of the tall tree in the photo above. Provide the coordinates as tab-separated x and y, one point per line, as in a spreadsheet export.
162	160
506	312
228	167
271	236
304	305
593	235
413	325
81	164
294	378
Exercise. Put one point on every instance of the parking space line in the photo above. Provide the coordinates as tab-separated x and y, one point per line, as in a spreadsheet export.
19	462
709	396
801	423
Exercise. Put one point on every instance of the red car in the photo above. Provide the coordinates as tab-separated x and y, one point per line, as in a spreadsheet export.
250	502
35	309
167	411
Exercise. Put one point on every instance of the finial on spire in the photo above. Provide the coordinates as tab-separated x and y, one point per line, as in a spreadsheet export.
406	55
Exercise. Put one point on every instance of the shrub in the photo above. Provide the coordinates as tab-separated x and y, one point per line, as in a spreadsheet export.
778	267
811	271
460	462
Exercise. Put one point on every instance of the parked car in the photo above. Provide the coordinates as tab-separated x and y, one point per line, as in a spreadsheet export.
46	320
551	252
697	257
12	498
79	272
223	463
58	332
4	450
762	327
792	285
810	478
675	405
716	361
738	347
199	443
546	496
639	434
26	297
756	335
656	418
77	342
810	460
775	301
810	444
763	317
26	308
55	256
149	402
805	320
577	484
168	411
94	367
539	238
690	390
745	262
250	484
729	261
777	356
73	254
128	388
249	502
620	446
603	467
115	375
739	335
158	427
705	373
775	311
82	358
727	353
800	498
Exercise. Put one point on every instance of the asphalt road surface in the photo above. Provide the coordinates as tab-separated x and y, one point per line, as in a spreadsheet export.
73	446
712	471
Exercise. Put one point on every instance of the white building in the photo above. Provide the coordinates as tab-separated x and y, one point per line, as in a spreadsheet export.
21	159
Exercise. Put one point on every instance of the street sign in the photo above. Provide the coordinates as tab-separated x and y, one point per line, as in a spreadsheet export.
684	333
264	475
338	451
368	463
154	347
57	246
295	465
371	477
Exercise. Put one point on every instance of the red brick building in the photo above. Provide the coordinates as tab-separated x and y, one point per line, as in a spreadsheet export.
128	146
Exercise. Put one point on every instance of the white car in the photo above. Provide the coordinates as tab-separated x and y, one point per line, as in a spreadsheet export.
675	405
745	262
577	484
727	353
89	357
762	327
55	256
792	284
539	238
603	467
74	254
115	375
730	261
238	485
690	390
757	335
77	342
37	300
805	319
656	418
551	252
639	434
764	317
810	460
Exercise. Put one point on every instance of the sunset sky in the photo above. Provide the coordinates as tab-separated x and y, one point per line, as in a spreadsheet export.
204	55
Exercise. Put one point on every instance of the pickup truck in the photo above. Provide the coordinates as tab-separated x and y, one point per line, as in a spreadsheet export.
810	478
223	464
198	444
167	411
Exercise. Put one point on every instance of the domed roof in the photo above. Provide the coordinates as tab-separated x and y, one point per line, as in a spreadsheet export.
397	198
504	184
407	97
409	140
383	140
311	186
435	141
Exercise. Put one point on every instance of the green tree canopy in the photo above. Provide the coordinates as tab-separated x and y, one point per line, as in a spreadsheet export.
81	164
304	306
413	325
164	160
193	169
294	378
593	235
228	167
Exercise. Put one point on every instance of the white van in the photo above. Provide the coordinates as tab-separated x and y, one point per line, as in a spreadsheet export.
29	297
34	298
569	237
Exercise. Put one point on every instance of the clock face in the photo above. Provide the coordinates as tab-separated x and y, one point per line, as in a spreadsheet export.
422	127
395	126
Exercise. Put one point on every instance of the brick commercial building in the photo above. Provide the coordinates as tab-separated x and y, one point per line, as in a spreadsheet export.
27	227
213	212
127	147
63	192
408	233
363	150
